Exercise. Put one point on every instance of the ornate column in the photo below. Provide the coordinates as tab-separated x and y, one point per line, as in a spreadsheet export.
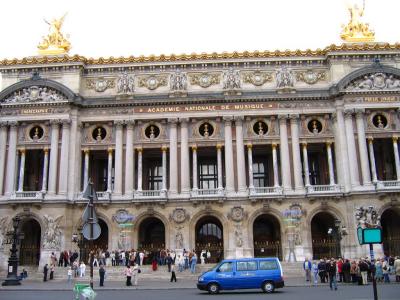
86	168
240	161
129	157
330	163
185	162
75	156
140	171
164	168
219	167
21	170
3	144
173	156
372	159
229	170
194	161
362	148
109	170
275	165
294	128
396	156
53	157
285	159
63	182
45	169
351	146
118	157
250	160
11	159
305	165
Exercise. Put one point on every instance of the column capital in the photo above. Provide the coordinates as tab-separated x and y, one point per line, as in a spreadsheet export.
13	124
22	150
348	112
249	146
294	118
139	149
282	118
129	124
304	144
274	145
164	148
329	143
3	124
86	150
228	120
46	150
395	138
370	140
119	124
238	119
66	122
110	150
359	112
184	121
194	147
219	146
173	122
55	122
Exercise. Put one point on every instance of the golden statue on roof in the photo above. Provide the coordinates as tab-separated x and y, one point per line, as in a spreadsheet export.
54	43
356	30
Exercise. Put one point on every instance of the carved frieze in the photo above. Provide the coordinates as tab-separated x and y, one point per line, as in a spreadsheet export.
178	81
376	81
153	82
231	79
204	80
310	76
126	84
284	78
52	233
257	78
237	214
35	94
179	215
100	84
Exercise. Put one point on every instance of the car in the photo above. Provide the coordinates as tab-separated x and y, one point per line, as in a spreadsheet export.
243	273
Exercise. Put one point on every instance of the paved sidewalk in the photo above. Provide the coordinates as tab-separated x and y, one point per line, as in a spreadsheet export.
145	284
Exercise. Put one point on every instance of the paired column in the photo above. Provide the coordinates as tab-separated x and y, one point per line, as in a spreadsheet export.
250	160
3	144
86	168
194	161
53	156
118	157
109	170
330	163
305	165
219	167
294	128
396	156
21	170
372	159
173	156
164	168
229	171
351	146
284	148
241	168
140	169
362	146
129	158
185	165
11	159
63	182
275	165
45	169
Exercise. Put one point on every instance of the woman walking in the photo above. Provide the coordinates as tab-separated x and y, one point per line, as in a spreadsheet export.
128	274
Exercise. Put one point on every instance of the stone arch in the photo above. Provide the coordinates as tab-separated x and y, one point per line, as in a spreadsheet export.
210	213
262	211
390	222
373	68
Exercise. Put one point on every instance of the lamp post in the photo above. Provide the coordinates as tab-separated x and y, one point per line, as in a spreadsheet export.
337	233
77	238
13	238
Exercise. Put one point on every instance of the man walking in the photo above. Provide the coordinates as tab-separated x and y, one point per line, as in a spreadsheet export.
45	270
173	275
102	273
307	269
331	269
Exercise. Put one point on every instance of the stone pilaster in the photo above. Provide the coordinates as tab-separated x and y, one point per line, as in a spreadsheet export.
119	126
285	159
372	159
229	170
140	169
164	168
219	167
396	156
275	165
86	168
3	147
129	159
194	161
330	163
250	160
305	164
185	162
240	160
11	159
294	128
53	170
362	148
21	169
45	169
63	174
173	156
109	170
351	146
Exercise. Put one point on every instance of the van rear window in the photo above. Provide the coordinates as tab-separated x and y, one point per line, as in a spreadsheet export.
268	265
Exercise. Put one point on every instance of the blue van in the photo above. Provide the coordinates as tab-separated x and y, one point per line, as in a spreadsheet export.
244	273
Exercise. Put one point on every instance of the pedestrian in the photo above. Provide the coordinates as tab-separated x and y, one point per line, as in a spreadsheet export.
51	272
141	257
69	274
135	272
322	270
346	270
331	269
314	270
128	274
354	271
168	260
307	269
385	270
339	266
173	275
180	263
102	274
45	270
378	271
193	263
363	266
396	267
82	269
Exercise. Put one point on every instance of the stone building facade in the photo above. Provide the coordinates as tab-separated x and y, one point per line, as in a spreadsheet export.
243	154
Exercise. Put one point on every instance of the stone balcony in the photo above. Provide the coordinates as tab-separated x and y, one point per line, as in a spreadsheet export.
207	194
267	191
322	190
388	185
28	195
153	195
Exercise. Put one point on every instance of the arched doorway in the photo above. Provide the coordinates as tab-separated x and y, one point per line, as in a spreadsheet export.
29	253
324	244
267	237
209	237
151	237
100	243
390	221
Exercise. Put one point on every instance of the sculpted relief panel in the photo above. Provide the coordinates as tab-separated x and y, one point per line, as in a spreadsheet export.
35	94
377	81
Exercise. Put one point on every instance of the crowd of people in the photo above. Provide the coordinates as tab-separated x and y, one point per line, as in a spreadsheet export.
351	271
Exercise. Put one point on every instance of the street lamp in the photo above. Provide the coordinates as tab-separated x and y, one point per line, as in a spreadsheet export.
337	233
79	241
14	238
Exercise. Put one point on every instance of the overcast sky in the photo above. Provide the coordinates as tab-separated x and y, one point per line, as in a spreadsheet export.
144	27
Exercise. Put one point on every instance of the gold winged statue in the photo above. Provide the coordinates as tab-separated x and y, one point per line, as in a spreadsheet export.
356	31
54	43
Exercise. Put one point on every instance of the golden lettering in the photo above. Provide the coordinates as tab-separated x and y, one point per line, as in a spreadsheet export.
35	111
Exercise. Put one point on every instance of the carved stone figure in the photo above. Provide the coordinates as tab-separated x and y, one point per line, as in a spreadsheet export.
179	238
54	42
52	234
238	235
35	94
178	81
377	81
179	215
356	30
237	214
3	230
284	78
231	79
126	84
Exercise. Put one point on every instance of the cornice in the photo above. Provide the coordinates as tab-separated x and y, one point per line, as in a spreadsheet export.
331	50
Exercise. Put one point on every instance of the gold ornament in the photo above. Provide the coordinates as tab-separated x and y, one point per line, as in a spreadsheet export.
54	43
356	30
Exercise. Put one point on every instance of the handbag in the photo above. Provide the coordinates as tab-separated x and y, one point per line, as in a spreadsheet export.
139	271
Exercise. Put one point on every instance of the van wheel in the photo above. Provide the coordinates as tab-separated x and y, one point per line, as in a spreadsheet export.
213	288
268	287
